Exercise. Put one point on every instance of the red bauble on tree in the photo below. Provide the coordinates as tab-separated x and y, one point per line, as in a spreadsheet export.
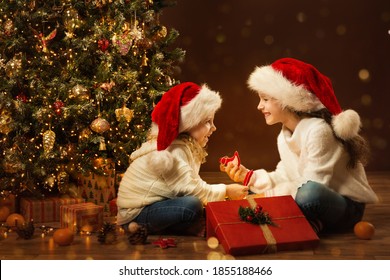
58	106
21	97
103	44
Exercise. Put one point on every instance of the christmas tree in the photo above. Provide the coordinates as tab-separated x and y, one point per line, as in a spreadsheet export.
78	80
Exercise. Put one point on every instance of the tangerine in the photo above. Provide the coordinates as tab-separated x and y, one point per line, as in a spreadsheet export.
15	219
364	230
63	236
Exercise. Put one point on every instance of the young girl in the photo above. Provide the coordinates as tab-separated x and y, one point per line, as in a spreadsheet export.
321	151
162	188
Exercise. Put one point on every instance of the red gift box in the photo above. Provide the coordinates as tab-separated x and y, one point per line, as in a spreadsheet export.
291	232
85	217
44	210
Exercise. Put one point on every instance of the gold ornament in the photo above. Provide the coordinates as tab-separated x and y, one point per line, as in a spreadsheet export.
162	33
5	121
85	134
145	60
126	27
8	27
80	92
50	181
12	67
71	19
102	145
100	125
49	138
124	113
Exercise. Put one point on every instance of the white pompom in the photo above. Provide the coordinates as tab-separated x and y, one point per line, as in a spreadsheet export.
160	161
347	124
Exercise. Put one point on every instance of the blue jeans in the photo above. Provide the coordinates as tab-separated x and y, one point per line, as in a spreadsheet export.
182	215
336	212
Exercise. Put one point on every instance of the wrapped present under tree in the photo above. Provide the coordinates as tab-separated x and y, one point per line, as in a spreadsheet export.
99	188
259	225
82	217
44	210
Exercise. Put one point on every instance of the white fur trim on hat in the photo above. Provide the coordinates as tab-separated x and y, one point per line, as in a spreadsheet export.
160	161
346	125
202	106
268	81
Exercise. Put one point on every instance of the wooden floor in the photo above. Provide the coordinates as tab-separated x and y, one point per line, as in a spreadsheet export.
332	247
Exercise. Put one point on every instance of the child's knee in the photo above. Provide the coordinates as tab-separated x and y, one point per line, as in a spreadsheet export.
195	204
309	192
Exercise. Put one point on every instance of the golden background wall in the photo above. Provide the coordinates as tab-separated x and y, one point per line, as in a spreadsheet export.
349	41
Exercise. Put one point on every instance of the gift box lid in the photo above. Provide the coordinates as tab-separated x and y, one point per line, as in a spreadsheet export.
291	232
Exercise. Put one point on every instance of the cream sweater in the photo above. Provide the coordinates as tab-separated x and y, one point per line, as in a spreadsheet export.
312	153
140	187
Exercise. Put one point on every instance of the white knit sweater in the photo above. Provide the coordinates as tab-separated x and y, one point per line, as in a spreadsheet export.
312	153
140	187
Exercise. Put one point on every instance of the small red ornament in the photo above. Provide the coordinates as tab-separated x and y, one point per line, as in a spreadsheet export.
22	97
58	107
103	44
258	209
165	242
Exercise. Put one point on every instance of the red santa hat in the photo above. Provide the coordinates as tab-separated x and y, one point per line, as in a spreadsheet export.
181	108
301	87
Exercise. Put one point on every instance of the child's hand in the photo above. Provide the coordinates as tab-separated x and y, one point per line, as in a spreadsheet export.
223	161
236	172
236	191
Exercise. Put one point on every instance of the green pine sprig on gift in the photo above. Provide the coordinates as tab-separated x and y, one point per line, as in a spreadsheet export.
255	215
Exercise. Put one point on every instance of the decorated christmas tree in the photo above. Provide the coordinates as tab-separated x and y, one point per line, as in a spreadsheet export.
78	80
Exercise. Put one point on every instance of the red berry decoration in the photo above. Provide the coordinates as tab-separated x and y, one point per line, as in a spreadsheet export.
103	44
255	215
58	107
21	97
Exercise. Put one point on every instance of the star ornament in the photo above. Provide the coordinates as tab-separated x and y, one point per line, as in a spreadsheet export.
124	113
165	242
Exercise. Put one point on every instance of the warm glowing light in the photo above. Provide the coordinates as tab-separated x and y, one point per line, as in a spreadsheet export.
269	39
301	17
366	100
341	29
214	256
212	242
364	75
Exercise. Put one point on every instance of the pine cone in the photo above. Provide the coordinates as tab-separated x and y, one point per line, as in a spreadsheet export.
49	138
107	234
138	236
25	231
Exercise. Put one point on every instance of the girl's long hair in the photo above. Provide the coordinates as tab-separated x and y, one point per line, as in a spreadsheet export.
357	147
